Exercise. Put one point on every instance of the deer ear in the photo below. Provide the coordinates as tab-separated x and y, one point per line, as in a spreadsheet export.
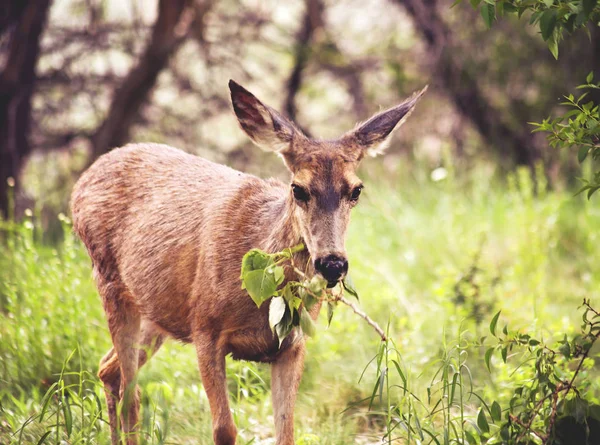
266	127
372	136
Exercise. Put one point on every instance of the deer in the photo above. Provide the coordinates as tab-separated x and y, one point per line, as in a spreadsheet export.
166	232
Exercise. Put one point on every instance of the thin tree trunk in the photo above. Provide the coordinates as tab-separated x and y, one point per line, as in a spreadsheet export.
17	82
312	22
463	89
170	30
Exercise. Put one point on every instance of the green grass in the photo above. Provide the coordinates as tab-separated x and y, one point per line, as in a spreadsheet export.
434	260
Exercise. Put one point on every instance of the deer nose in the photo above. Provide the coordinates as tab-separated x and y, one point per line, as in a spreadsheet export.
332	268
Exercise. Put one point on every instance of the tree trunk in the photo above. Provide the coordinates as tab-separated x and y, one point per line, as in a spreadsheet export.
463	89
26	23
170	30
313	21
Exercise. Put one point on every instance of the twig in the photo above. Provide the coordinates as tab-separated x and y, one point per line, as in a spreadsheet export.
355	308
364	316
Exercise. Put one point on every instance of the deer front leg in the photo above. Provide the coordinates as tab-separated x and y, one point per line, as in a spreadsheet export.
286	373
211	360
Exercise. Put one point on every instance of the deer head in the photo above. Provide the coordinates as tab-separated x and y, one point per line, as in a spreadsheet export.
324	186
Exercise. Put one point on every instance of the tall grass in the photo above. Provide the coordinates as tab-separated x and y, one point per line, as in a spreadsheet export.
431	260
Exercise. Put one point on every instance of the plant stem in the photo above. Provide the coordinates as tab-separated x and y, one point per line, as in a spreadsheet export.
364	316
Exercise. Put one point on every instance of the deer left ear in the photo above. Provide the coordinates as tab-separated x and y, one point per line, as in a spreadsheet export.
266	127
372	136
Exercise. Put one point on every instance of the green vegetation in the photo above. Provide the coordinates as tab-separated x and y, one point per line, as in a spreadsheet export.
433	260
263	273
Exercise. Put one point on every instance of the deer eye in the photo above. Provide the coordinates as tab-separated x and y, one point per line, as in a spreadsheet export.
300	193
356	193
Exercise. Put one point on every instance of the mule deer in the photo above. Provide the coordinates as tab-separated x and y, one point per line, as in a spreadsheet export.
166	232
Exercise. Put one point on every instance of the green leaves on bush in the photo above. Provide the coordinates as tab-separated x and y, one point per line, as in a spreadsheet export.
552	405
551	17
578	128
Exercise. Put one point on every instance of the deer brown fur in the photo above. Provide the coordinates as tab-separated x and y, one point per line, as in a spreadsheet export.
166	232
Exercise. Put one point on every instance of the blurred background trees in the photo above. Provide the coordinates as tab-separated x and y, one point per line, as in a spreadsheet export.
79	77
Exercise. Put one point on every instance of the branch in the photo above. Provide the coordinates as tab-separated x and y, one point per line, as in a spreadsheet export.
313	21
364	316
342	299
170	30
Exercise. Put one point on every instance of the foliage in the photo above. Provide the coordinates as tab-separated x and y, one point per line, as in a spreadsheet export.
556	403
578	128
262	273
553	405
552	17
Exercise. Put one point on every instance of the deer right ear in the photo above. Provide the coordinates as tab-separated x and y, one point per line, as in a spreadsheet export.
372	136
265	126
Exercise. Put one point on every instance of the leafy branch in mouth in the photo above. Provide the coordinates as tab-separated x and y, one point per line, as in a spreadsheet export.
263	276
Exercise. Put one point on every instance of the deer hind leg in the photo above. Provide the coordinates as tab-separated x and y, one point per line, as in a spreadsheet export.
124	323
110	374
151	339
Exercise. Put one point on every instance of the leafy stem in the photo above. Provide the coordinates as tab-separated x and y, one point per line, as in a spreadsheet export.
263	276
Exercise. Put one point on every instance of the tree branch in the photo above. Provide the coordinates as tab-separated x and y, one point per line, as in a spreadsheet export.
170	30
364	316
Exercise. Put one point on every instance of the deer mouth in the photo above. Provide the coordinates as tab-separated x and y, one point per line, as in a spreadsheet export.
331	284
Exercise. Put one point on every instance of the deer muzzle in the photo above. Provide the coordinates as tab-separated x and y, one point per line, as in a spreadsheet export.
332	267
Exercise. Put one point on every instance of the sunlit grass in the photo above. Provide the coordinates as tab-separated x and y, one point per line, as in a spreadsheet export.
432	259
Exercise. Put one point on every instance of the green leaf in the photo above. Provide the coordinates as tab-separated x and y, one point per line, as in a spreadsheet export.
307	324
482	422
284	327
317	284
308	300
68	416
294	303
590	77
496	412
548	23
260	284
488	12
43	438
276	311
453	387
494	322
278	274
565	350
471	439
330	308
349	287
553	46
503	353
488	357
255	259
